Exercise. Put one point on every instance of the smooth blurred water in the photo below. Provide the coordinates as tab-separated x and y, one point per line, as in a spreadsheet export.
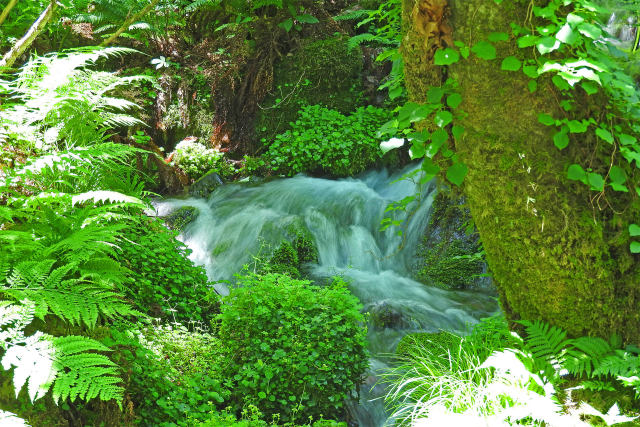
344	217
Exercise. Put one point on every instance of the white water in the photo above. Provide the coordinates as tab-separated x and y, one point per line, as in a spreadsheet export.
344	218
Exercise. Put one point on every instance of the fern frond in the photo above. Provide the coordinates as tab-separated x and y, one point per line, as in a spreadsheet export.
356	41
585	354
353	14
545	342
619	364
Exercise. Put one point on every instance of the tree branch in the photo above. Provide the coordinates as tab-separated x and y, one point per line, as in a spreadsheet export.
23	44
7	9
128	22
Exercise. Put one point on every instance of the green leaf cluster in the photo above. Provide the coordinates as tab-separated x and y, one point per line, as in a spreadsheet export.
324	141
292	348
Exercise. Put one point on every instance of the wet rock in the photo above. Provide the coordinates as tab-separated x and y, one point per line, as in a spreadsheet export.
178	219
205	185
450	255
383	315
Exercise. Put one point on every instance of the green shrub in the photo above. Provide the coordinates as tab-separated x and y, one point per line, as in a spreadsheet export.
292	348
196	160
173	374
327	142
165	283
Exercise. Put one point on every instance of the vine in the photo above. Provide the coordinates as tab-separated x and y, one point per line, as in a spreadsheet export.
567	40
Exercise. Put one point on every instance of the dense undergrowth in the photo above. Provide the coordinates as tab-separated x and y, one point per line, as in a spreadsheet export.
104	320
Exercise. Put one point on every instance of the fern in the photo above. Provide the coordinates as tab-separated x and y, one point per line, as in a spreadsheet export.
546	344
69	363
75	300
585	355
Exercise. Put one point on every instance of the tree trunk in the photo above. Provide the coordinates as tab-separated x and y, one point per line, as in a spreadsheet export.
23	44
553	254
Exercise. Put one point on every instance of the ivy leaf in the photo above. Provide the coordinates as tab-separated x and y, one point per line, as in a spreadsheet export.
530	71
417	149
456	173
596	181
454	100
435	94
498	37
590	30
617	175
546	119
605	135
561	139
391	144
634	230
533	86
567	35
576	173
443	118
635	247
626	139
484	50
439	137
286	25
446	56
547	45
511	63
527	41
578	127
457	131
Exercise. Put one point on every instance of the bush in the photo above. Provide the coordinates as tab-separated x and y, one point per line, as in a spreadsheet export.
328	142
165	283
173	375
292	348
196	160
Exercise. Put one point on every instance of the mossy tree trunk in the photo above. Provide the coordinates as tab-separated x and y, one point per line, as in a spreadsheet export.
553	253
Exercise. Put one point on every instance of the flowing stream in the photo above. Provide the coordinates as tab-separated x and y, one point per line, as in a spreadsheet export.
343	216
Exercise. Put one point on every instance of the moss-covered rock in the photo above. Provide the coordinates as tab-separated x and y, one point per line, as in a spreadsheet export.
320	72
426	342
180	218
449	255
204	186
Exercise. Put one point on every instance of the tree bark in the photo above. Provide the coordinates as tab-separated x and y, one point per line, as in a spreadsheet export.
7	9
23	44
127	23
553	254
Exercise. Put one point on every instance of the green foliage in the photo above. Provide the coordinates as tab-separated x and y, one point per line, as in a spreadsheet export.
449	265
164	282
383	28
325	141
321	72
196	160
174	376
446	379
59	103
292	348
61	217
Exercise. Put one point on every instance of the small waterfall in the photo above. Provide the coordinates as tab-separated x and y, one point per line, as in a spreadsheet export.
344	217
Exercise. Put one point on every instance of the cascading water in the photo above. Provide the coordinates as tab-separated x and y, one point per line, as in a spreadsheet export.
344	217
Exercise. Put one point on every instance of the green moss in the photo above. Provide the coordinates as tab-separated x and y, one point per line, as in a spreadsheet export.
450	265
412	344
566	262
221	248
321	72
285	254
304	244
181	217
